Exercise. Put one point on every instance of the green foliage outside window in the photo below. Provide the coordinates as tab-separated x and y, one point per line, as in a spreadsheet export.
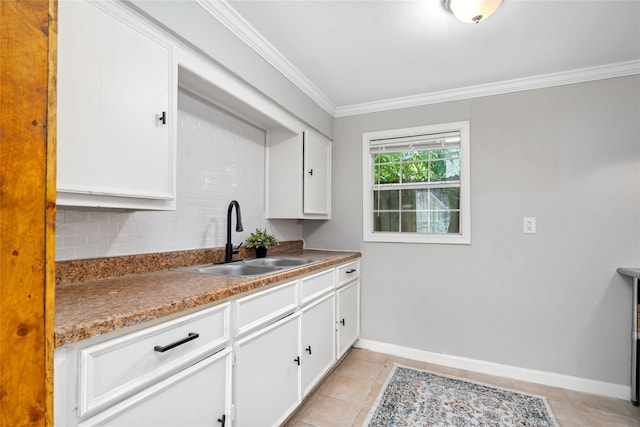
421	210
417	166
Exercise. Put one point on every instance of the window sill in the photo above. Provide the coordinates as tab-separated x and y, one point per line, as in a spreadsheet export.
446	239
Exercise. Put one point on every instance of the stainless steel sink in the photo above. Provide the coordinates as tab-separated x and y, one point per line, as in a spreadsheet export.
236	270
279	262
249	267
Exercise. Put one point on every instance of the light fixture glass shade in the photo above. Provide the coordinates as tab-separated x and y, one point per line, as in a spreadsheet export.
472	11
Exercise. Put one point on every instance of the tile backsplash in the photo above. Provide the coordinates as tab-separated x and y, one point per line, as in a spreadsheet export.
220	158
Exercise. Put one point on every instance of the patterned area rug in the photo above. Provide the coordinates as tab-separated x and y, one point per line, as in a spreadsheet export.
413	397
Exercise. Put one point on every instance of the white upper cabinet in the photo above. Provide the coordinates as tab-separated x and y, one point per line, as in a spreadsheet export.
298	175
117	87
317	175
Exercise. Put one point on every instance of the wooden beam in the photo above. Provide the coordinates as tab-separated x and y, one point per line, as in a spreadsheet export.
27	210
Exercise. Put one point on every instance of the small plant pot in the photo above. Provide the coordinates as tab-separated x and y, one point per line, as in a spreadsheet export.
261	252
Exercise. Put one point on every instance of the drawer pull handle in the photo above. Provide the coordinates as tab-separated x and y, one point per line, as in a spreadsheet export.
163	118
342	321
297	360
161	349
353	270
222	420
308	349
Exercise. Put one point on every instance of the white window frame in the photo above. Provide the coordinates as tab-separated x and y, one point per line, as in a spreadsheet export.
464	237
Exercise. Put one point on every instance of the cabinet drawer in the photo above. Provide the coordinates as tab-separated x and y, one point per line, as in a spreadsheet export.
317	285
194	397
348	272
264	307
115	369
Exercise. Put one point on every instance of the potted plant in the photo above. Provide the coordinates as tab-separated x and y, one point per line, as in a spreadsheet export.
261	240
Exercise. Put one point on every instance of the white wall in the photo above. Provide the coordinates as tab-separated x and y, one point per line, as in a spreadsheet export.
550	301
220	158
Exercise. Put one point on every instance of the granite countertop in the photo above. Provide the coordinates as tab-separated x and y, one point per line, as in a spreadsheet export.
93	307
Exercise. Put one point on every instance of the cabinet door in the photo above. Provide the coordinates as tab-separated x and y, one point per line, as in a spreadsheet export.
348	325
115	81
198	396
298	175
317	333
267	374
317	174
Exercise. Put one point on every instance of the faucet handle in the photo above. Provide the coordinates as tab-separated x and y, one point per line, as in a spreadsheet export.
237	248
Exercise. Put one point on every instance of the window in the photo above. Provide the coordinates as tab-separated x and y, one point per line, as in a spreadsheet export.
416	184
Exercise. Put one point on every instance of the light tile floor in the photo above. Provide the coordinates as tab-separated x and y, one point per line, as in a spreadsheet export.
346	395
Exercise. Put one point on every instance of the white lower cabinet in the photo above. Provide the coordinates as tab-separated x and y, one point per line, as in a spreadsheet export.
248	362
317	341
266	374
120	367
197	396
262	308
348	323
175	373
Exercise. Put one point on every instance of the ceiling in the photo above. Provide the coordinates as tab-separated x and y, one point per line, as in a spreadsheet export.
346	54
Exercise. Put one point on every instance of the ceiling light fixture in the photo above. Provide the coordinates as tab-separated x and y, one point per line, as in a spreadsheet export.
472	11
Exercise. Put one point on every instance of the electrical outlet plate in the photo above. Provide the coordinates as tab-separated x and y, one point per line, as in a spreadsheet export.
530	224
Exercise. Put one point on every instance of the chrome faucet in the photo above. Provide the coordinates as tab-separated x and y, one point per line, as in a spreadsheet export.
229	249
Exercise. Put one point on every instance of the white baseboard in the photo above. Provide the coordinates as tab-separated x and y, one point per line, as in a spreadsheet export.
584	385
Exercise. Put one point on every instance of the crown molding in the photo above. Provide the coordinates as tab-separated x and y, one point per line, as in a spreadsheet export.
234	22
619	69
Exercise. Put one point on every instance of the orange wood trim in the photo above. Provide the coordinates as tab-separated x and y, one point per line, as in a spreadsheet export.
27	210
50	228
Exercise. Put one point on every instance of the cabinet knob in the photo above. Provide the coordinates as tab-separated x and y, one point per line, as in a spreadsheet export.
308	349
310	172
297	360
222	420
163	117
342	321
